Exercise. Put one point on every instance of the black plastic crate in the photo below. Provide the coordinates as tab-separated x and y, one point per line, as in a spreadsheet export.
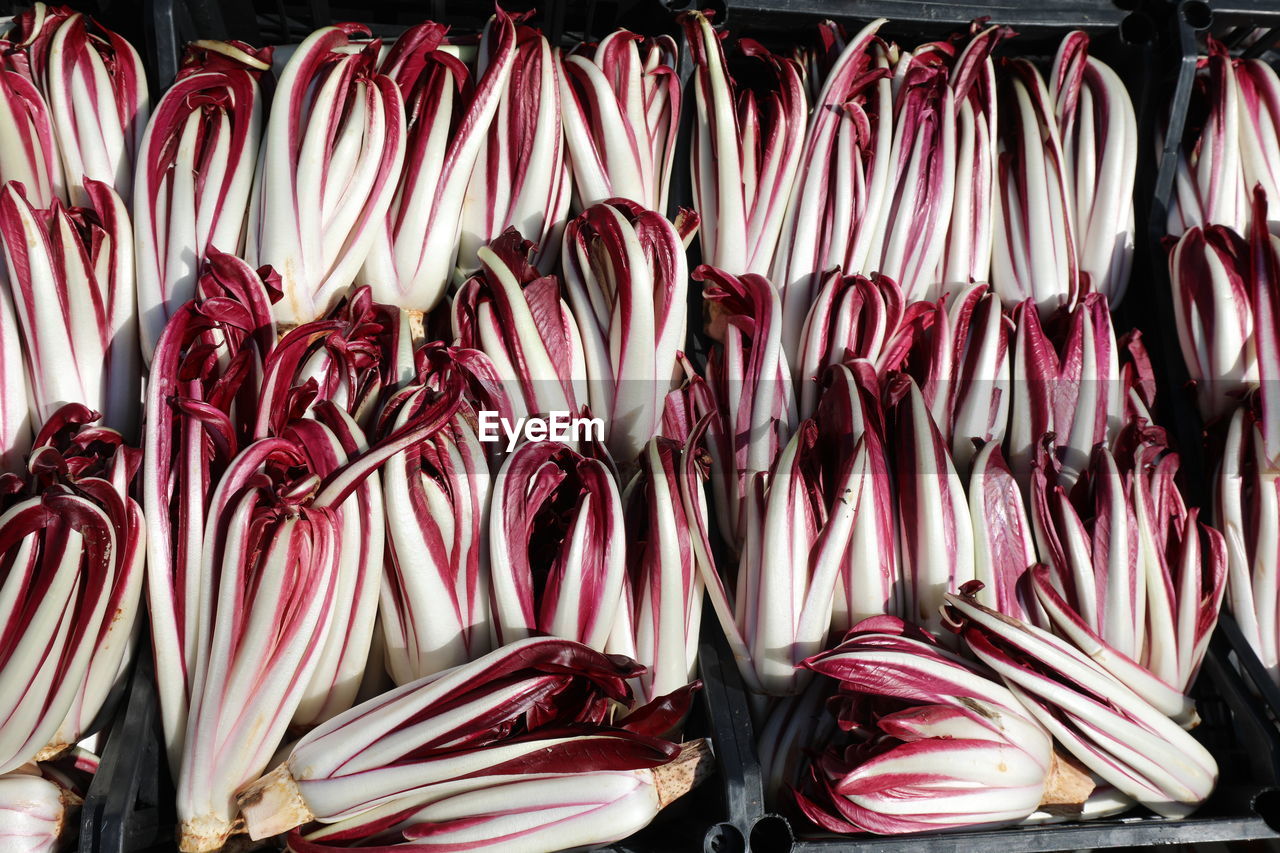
1186	30
748	824
1137	42
129	807
1229	21
1052	14
1245	806
1177	399
933	18
1236	726
130	803
171	23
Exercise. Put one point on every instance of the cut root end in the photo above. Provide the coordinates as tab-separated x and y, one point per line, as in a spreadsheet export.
273	804
203	834
417	325
1067	786
686	771
52	751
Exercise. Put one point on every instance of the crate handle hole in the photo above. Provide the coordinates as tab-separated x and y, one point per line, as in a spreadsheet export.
724	838
1137	28
1267	806
770	833
1196	14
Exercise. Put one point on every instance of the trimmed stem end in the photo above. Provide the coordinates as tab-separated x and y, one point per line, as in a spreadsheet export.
204	834
273	804
1067	786
686	771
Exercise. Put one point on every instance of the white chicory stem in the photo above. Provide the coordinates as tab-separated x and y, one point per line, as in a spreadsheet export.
937	532
1099	135
1134	579
271	565
28	148
1210	273
620	105
836	202
957	750
331	439
498	719
871	578
534	811
796	727
556	545
627	283
1259	92
747	148
967	256
1066	382
70	273
274	559
194	176
34	813
15	394
200	412
1246	506
1107	727
328	170
979	392
449	114
1003	538
435	597
521	178
1209	183
520	320
661	610
961	353
59	546
851	317
96	89
800	518
1034	254
911	233
751	382
74	454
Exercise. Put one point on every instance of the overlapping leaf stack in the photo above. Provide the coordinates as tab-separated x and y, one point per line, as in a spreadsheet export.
926	398
324	518
1224	270
354	291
